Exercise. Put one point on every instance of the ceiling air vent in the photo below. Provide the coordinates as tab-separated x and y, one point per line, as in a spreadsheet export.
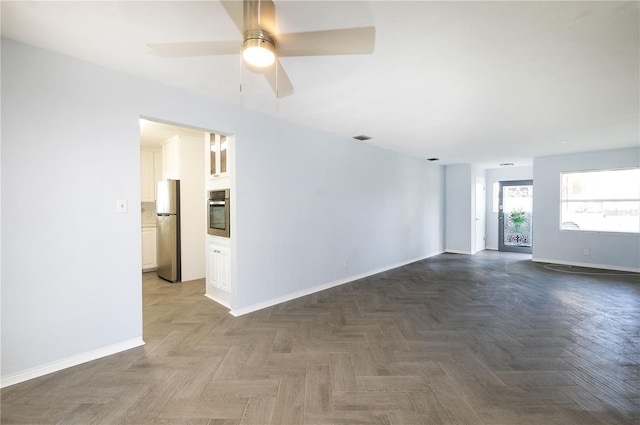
362	137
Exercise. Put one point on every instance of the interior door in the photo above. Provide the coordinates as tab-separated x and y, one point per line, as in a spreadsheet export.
480	222
515	216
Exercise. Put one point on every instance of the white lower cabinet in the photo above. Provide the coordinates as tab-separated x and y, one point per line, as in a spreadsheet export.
149	248
218	270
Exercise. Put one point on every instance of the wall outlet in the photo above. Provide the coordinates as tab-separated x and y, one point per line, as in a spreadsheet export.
586	251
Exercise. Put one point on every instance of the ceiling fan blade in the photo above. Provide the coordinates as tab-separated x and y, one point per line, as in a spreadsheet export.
196	48
234	9
283	86
350	41
276	77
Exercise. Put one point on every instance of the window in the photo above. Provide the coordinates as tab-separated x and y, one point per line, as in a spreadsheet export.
603	201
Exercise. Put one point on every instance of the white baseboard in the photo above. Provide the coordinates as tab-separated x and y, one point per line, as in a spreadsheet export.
455	251
313	290
218	300
45	369
588	265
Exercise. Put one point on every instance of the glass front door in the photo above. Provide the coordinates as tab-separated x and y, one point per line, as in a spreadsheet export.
515	216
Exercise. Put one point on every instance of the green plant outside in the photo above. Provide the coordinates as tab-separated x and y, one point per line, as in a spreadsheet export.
518	216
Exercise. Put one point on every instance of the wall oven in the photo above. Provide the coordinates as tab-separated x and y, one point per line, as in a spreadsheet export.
219	207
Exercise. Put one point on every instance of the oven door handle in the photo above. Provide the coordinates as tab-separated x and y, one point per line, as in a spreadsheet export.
217	202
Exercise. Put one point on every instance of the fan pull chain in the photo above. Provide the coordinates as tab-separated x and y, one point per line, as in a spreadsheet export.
277	86
241	69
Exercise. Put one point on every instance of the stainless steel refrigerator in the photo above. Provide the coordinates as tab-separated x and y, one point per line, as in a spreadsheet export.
168	230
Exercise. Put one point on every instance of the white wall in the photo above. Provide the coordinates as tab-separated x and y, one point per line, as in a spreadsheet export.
550	244
498	175
460	201
71	284
70	263
314	209
193	223
458	204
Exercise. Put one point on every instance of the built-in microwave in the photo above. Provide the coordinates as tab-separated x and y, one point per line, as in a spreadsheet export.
219	213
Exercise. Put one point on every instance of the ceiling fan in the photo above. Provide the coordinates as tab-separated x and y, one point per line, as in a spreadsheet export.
261	45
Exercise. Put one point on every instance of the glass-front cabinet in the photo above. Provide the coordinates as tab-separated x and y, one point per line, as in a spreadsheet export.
218	149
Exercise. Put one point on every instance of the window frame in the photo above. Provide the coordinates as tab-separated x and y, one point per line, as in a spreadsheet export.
563	201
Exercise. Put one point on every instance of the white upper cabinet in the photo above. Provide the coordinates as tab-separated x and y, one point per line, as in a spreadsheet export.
171	159
150	173
217	160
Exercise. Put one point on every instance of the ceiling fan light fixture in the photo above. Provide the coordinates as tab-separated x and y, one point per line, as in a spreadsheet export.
258	49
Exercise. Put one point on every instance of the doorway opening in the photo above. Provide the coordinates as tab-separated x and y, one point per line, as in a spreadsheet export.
515	216
172	162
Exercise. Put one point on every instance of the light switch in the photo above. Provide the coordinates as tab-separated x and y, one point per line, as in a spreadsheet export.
121	206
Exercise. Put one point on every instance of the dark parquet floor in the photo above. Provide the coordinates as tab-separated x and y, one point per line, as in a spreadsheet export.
489	339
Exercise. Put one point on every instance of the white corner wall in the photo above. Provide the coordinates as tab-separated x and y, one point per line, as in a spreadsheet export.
550	244
459	209
498	175
313	209
193	213
460	204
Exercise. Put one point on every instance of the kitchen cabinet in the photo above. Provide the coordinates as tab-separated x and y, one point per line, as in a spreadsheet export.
149	248
218	268
171	159
218	147
150	173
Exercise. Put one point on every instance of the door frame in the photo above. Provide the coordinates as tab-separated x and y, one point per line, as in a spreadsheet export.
501	245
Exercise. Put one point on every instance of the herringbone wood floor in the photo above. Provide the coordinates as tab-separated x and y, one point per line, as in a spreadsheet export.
481	340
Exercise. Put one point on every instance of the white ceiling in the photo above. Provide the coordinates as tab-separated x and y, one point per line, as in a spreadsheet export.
466	82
